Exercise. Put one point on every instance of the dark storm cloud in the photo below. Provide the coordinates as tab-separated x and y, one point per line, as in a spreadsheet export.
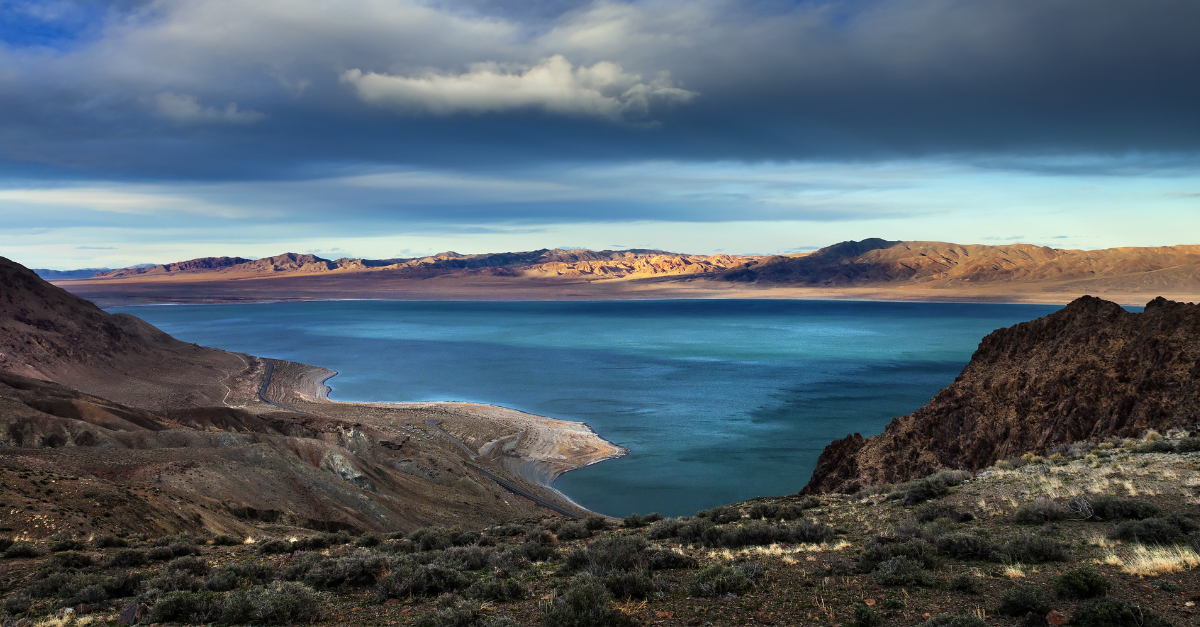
215	89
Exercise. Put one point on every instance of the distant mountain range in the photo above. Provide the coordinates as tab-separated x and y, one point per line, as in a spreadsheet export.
870	269
82	273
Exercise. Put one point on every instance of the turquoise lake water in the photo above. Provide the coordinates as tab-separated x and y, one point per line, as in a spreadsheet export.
717	400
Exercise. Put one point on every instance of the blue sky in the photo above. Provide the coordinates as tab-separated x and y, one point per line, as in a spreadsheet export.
151	131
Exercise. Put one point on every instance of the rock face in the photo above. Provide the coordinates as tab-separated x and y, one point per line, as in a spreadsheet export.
1090	370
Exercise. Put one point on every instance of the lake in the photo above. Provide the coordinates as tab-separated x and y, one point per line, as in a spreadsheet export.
717	400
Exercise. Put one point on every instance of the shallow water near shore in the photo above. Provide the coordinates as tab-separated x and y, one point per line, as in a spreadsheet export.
717	400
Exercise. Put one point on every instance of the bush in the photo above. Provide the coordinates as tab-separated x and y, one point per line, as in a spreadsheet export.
719	580
110	542
534	551
585	602
20	550
441	538
160	554
1110	612
59	546
223	540
903	571
368	540
574	531
419	581
663	529
652	518
498	590
615	553
724	515
1034	550
1173	528
595	523
966	546
88	595
883	548
668	560
274	547
630	584
1041	510
231	576
189	565
633	521
1118	508
127	559
965	583
926	489
1022	599
17	603
287	603
5	543
50	583
122	585
183	606
507	531
955	620
929	512
466	557
71	559
170	581
461	615
326	540
866	617
1080	583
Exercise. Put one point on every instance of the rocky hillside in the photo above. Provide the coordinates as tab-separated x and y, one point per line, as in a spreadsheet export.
878	262
1090	370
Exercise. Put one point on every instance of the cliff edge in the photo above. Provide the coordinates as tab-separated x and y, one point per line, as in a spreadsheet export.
1090	370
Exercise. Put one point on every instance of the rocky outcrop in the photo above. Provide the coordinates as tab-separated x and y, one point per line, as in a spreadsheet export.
1091	370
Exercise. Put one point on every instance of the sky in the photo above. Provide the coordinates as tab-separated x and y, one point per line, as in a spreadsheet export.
136	131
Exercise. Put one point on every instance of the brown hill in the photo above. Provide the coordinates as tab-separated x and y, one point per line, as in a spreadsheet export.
48	333
943	265
1091	370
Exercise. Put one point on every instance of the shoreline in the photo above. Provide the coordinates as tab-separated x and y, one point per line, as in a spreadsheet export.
548	447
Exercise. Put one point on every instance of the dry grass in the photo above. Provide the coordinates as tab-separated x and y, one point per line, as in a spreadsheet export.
1148	561
1014	571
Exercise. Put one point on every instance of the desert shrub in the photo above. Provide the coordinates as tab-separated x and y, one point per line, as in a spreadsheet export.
368	540
287	603
94	593
5	543
179	538
724	515
122	584
59	546
929	512
1022	599
188	565
718	580
652	518
668	560
1173	528
507	531
1034	550
633	521
903	571
326	540
170	581
460	614
584	602
1110	612
127	559
753	533
223	540
811	532
883	548
866	617
966	546
440	538
542	537
237	574
663	529
160	554
574	531
535	551
1118	508
275	546
965	583
927	489
498	590
1080	583
1041	510
183	606
110	542
17	603
955	620
221	581
51	583
466	557
71	559
630	584
20	550
418	581
595	523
